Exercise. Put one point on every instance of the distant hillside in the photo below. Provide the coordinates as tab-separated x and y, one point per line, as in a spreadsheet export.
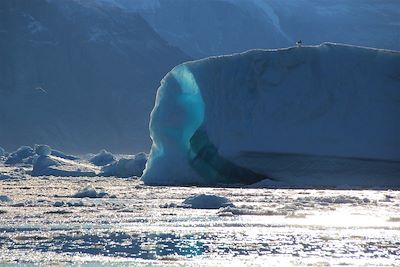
214	27
78	76
208	27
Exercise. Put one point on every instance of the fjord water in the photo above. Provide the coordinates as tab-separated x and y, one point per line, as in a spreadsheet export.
41	223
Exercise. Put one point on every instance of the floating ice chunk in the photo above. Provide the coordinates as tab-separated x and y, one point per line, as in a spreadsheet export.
42	150
90	192
75	203
62	155
19	204
41	165
18	156
126	167
204	201
54	166
58	203
102	158
4	198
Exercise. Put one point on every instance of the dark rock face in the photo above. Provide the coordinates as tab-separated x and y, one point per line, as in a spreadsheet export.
77	76
209	27
215	27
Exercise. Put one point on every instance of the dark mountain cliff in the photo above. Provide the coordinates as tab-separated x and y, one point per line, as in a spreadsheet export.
78	76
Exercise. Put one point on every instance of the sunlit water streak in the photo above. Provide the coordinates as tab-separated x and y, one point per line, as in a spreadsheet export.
143	225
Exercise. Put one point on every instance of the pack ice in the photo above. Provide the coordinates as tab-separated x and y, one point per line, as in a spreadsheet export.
326	115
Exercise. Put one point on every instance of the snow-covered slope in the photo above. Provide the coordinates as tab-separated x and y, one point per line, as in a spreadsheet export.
215	27
216	120
78	76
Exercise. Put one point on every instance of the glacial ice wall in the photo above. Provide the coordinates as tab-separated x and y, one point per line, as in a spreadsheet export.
329	100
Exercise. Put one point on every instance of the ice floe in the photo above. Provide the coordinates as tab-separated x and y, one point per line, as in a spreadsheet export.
90	192
102	158
204	201
19	155
126	167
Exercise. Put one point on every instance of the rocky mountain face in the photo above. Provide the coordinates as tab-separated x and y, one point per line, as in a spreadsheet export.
81	75
358	22
78	76
209	27
215	27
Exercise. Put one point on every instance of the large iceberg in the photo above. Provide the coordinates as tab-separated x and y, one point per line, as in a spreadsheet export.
326	115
